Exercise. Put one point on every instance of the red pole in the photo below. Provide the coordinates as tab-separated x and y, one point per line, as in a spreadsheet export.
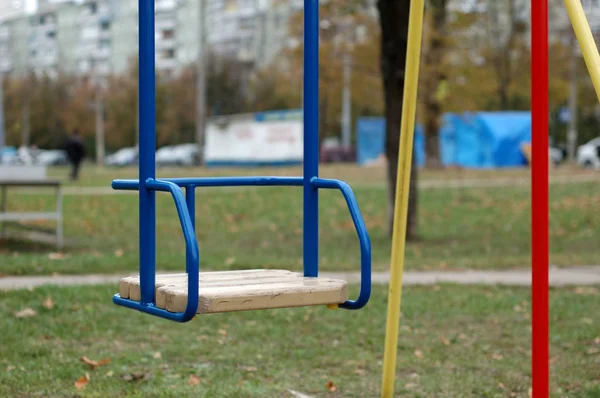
539	198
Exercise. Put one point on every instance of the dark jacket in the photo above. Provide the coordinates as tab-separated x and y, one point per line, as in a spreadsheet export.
75	149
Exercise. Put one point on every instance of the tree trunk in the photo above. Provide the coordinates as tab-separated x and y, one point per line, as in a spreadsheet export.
394	42
434	77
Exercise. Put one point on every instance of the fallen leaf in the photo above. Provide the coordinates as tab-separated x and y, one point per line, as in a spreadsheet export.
136	376
56	256
445	341
109	373
230	261
497	357
587	321
359	372
157	355
193	380
554	360
330	386
593	350
410	385
419	354
95	364
119	253
82	381
26	313
249	368
501	385
48	303
223	332
597	340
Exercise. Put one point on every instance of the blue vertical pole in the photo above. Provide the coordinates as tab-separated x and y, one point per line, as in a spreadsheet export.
147	149
190	200
311	137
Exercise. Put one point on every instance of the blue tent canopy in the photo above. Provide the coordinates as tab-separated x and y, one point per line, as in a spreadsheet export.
476	140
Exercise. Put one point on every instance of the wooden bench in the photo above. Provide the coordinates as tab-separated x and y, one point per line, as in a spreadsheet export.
6	216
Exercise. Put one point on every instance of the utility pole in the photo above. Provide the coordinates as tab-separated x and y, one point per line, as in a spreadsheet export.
201	76
99	110
2	135
26	131
347	103
572	132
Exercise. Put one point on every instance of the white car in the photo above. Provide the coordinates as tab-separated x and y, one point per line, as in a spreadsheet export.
123	157
51	158
588	155
178	155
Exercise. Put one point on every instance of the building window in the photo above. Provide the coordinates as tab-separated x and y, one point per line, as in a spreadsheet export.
168	34
168	53
105	25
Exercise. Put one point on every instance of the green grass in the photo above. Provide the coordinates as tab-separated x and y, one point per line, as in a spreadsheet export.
455	342
465	228
92	176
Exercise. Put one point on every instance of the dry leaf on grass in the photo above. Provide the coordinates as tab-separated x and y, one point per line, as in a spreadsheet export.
249	368
119	253
136	376
56	256
193	380
419	354
157	355
330	386
82	381
497	357
48	303
26	313
444	340
223	332
110	373
95	364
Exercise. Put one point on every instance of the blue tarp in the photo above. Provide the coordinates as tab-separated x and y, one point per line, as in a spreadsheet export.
477	140
371	140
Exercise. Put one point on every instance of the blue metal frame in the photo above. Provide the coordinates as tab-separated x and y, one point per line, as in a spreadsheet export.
147	185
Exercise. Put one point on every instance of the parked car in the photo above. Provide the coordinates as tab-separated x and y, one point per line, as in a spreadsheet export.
588	155
51	158
178	155
123	157
332	151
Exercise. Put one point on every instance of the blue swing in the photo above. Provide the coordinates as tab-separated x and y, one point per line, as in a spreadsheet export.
179	297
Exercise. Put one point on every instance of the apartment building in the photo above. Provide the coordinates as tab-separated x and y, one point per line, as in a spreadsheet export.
100	37
12	8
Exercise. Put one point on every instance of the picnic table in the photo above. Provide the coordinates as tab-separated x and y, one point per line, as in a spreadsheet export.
19	216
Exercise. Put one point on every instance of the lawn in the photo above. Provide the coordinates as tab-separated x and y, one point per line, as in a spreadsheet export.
455	342
93	176
460	228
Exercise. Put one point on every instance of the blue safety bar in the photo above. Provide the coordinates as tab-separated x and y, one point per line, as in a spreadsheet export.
147	185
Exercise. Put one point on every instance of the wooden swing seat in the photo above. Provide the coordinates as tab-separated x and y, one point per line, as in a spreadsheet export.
247	290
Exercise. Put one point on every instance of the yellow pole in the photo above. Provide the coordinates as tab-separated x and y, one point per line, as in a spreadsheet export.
415	29
586	41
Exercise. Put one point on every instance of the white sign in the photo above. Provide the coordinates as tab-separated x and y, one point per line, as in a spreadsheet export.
252	142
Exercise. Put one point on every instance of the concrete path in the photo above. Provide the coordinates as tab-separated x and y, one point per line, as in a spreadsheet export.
579	276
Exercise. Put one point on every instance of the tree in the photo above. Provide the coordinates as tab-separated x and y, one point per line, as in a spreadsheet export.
394	42
506	29
348	31
434	79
